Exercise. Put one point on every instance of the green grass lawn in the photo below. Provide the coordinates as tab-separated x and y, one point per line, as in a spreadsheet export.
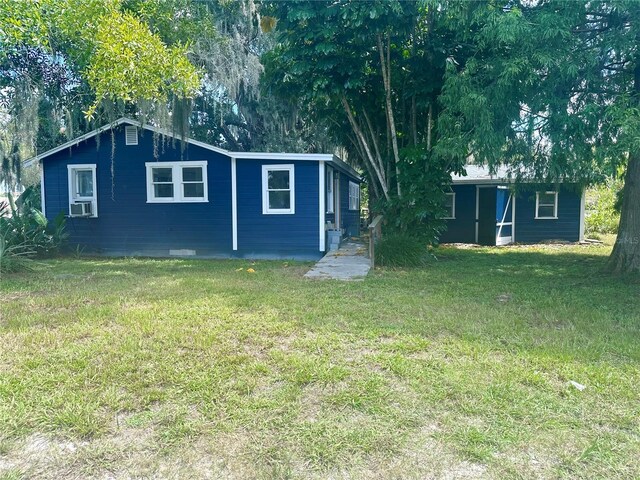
119	368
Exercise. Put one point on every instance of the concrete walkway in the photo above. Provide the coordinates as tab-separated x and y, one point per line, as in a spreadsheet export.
349	262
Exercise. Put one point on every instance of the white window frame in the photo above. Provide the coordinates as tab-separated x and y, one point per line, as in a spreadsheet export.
127	129
453	206
354	196
554	205
329	190
72	182
265	190
176	180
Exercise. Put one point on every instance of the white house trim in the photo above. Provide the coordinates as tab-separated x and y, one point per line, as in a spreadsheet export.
555	205
238	155
329	195
73	198
265	189
42	196
234	205
513	220
509	239
176	180
453	206
582	212
321	198
354	196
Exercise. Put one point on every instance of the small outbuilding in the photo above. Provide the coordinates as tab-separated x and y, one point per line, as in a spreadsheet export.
491	209
130	189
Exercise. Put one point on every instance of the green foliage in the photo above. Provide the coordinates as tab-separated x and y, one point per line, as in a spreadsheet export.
139	65
549	86
603	207
373	71
419	212
25	232
397	250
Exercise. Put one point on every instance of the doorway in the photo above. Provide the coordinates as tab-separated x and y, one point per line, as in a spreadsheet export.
486	215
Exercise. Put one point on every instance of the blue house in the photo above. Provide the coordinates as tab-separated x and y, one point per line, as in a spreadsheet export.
133	189
486	209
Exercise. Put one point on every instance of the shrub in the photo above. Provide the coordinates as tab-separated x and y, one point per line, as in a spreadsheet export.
25	232
400	251
602	215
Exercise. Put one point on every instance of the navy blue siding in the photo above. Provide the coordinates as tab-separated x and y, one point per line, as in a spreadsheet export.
274	235
462	229
527	228
350	218
126	223
566	227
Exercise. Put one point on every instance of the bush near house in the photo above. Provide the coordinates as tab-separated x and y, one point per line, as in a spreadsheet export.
25	232
602	208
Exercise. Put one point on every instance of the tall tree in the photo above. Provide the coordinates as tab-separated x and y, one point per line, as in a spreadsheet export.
62	62
553	89
373	70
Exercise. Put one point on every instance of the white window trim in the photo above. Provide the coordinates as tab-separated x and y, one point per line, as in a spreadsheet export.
354	193
453	206
329	190
555	205
265	190
176	180
128	129
71	179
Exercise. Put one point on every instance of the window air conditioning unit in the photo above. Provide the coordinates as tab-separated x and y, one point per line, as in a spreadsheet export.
81	209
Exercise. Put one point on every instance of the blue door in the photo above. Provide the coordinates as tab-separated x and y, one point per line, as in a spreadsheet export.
504	216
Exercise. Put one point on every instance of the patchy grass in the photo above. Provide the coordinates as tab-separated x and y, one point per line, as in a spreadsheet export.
183	369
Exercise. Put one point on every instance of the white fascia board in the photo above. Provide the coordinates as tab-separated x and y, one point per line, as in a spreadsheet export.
495	181
76	141
316	157
482	181
281	156
337	162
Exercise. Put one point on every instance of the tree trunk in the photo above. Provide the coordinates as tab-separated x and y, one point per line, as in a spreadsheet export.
365	145
625	257
386	80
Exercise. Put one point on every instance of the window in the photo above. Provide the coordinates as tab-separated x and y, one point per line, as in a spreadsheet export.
82	191
546	205
131	135
450	206
278	192
329	190
354	196
169	182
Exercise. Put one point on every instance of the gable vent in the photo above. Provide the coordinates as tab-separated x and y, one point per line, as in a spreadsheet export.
131	135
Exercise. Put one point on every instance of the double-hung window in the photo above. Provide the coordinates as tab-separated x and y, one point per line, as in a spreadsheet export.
546	205
450	206
329	190
177	182
83	198
354	196
278	189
